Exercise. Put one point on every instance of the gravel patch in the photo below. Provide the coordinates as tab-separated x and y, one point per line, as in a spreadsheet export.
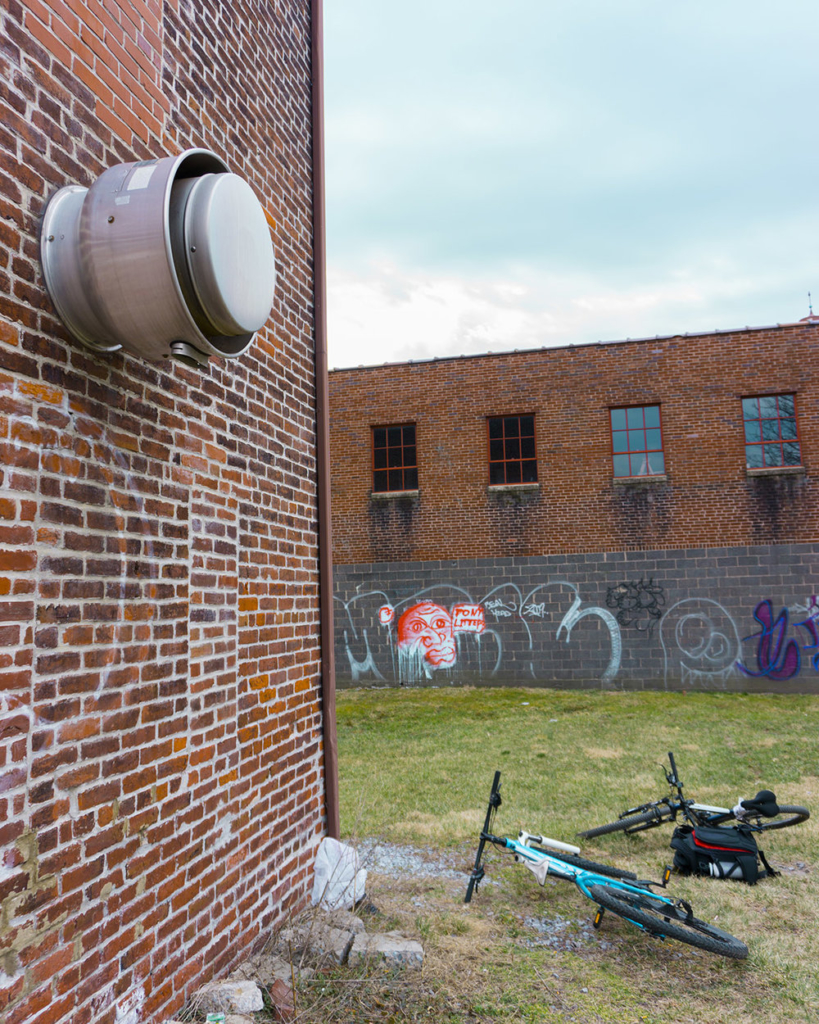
407	861
562	933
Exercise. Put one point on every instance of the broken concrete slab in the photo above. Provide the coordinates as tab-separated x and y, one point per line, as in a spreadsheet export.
316	938
264	968
345	919
394	949
229	997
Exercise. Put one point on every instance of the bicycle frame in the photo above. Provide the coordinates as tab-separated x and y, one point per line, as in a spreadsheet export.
553	865
695	813
609	888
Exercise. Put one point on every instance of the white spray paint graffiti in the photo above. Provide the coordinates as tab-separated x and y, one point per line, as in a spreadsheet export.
361	668
574	615
701	644
429	638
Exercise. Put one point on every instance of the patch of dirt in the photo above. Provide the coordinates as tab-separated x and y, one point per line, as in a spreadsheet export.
558	932
799	869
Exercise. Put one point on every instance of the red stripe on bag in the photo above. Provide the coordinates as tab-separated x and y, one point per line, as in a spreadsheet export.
709	846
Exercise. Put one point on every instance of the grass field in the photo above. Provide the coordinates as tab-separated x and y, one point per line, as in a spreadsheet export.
415	769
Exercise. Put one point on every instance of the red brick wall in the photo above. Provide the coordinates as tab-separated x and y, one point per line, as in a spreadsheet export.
161	786
707	499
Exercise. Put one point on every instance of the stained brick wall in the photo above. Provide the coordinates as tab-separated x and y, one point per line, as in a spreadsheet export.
706	499
161	788
403	549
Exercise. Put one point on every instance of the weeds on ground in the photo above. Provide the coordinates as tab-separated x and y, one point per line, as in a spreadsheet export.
416	767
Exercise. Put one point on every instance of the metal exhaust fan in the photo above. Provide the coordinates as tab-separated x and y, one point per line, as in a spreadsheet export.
164	258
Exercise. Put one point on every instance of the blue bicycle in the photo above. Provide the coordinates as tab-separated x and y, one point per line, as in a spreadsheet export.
610	888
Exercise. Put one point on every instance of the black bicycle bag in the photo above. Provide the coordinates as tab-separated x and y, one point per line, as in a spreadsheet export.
729	852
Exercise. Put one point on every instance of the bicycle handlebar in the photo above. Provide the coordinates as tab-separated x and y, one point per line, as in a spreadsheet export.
554	844
676	779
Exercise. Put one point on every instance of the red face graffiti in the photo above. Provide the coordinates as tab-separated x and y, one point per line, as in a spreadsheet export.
427	627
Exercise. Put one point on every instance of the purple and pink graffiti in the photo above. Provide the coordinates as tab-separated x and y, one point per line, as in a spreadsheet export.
778	657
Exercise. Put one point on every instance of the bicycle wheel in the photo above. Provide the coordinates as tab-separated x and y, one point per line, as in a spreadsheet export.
789	814
589	865
672	922
654	815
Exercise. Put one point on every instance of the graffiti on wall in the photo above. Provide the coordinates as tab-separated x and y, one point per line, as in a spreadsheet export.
443	631
639	603
778	655
426	635
700	643
442	628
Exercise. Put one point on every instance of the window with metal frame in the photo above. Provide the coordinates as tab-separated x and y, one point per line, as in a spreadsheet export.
771	432
512	454
395	459
637	441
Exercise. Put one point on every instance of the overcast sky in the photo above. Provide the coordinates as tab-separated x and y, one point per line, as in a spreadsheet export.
523	173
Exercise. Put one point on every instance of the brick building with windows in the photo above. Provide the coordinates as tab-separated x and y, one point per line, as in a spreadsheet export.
166	721
631	514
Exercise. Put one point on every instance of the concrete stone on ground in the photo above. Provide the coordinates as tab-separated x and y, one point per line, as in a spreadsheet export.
229	997
265	968
317	938
392	948
345	919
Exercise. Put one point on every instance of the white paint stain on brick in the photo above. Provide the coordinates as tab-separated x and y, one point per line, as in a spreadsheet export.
129	1011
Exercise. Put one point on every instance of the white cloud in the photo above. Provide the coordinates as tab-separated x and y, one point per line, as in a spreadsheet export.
539	173
389	314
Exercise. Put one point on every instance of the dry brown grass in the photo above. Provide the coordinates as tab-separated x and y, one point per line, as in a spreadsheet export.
483	962
416	768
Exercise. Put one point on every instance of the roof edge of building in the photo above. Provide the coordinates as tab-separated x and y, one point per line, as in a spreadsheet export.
578	344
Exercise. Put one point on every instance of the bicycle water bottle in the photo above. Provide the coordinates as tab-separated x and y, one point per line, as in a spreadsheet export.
725	869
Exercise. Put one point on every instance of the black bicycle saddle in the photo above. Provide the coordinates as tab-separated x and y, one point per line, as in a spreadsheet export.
763	803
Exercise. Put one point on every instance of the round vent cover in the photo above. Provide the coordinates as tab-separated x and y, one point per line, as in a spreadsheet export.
229	253
167	257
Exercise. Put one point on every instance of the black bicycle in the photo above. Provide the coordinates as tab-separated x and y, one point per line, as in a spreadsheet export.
610	888
762	814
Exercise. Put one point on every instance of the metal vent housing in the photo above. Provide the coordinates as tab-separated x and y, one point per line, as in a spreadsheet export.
164	258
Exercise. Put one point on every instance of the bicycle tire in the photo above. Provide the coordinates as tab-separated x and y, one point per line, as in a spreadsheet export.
789	814
590	865
659	918
634	823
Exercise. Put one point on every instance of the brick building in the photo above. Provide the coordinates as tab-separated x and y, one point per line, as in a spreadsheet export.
166	744
633	514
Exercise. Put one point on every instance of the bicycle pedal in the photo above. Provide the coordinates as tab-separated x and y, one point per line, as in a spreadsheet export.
598	917
666	875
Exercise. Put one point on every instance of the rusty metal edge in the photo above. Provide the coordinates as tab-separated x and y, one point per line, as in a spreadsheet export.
325	528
